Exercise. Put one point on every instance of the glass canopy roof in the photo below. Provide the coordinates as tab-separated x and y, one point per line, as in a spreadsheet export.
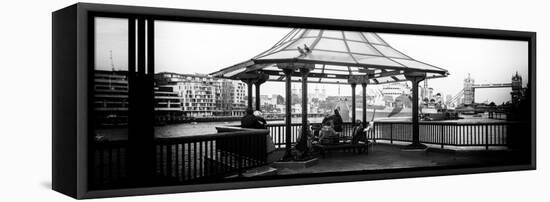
337	55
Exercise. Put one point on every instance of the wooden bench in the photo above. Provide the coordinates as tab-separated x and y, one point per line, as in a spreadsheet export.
355	148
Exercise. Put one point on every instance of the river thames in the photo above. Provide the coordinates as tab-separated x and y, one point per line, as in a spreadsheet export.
202	128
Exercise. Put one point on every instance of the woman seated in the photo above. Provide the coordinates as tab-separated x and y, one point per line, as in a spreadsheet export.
358	133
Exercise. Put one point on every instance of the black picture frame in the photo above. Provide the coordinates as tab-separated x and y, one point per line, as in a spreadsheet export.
72	93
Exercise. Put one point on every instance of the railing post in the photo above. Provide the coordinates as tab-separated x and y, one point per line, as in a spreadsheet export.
239	158
391	133
168	160
486	137
374	131
442	136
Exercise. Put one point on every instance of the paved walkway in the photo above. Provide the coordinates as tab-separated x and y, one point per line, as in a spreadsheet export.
383	156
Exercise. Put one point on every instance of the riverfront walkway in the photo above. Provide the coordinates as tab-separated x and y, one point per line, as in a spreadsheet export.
190	159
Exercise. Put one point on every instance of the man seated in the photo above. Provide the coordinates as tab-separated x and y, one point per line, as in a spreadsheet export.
251	121
328	135
255	120
260	118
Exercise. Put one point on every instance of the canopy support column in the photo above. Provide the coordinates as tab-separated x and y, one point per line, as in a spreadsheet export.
304	72
262	78
257	85
363	80
364	86
415	78
289	69
288	114
249	92
253	78
353	107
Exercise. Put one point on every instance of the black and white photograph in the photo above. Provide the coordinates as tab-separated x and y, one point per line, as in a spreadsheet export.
270	101
180	103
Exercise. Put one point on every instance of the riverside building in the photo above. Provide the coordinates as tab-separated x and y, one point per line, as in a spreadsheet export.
205	96
111	97
111	100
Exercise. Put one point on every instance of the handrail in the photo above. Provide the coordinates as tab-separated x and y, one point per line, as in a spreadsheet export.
234	149
421	123
185	159
432	132
212	136
450	123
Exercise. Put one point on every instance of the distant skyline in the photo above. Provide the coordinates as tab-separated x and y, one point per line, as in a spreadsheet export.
210	47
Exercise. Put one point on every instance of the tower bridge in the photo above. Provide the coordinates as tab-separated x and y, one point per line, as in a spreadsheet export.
466	96
492	85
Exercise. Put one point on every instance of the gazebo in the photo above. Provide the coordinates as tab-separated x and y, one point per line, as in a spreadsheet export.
335	57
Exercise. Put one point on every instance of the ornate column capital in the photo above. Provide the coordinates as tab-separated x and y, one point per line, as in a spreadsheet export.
247	81
304	71
358	79
288	71
254	77
415	76
262	78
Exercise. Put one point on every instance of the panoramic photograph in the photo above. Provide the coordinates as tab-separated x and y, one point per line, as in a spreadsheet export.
209	103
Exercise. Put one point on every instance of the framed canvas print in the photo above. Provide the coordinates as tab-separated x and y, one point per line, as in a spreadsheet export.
157	100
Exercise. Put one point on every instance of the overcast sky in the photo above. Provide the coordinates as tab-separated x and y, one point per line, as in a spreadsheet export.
204	48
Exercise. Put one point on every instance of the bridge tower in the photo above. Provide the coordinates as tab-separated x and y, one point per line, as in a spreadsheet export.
469	90
516	88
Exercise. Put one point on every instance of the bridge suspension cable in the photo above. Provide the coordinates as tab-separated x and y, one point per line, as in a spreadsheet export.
457	96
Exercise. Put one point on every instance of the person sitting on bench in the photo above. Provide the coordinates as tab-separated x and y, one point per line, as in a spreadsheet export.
358	133
328	135
251	121
303	145
328	143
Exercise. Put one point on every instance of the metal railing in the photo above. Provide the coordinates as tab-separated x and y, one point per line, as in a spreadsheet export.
109	162
184	159
278	133
192	158
446	133
498	115
439	133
